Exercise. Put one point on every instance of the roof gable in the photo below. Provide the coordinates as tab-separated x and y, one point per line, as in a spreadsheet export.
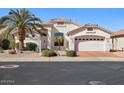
84	27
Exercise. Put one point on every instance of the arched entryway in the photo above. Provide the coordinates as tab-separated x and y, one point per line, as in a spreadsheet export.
89	43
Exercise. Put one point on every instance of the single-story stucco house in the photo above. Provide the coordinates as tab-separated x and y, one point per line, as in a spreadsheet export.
118	40
87	37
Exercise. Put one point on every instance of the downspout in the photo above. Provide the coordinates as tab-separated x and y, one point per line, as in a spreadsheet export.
105	41
40	54
113	43
40	45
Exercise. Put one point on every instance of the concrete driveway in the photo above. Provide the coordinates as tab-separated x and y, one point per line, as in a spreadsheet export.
96	54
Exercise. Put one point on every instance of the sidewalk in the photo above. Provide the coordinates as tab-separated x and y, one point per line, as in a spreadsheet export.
86	56
61	59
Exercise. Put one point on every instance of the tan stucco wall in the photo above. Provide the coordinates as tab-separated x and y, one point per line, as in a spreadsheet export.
118	43
66	27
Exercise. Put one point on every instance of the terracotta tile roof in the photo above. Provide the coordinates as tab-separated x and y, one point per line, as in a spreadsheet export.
55	20
118	33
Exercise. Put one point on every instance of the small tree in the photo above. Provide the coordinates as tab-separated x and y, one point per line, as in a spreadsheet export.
58	41
13	44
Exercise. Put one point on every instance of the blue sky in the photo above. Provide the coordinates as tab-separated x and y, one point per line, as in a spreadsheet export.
110	18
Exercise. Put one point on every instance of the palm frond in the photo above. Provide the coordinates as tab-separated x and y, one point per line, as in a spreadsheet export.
3	19
22	19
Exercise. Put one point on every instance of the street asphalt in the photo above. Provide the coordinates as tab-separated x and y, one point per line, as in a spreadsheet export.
62	73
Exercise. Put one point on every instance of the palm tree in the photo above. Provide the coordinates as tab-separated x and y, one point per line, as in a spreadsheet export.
21	21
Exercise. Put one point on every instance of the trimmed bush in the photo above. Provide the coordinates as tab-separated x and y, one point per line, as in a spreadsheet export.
49	53
31	46
71	53
45	52
5	44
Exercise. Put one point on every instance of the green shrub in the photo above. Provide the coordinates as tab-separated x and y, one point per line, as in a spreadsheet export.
12	44
31	46
49	53
1	50
17	45
5	44
45	52
71	53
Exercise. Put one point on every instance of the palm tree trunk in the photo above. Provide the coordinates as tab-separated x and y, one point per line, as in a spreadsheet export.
21	35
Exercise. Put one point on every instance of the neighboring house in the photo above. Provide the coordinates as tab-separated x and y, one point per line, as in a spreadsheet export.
118	40
89	37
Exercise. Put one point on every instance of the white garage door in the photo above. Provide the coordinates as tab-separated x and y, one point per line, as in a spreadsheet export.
91	46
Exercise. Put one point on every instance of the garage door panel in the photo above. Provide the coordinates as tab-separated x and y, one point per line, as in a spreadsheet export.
91	46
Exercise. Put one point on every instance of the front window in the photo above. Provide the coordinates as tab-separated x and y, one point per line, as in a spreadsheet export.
60	23
58	34
89	29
